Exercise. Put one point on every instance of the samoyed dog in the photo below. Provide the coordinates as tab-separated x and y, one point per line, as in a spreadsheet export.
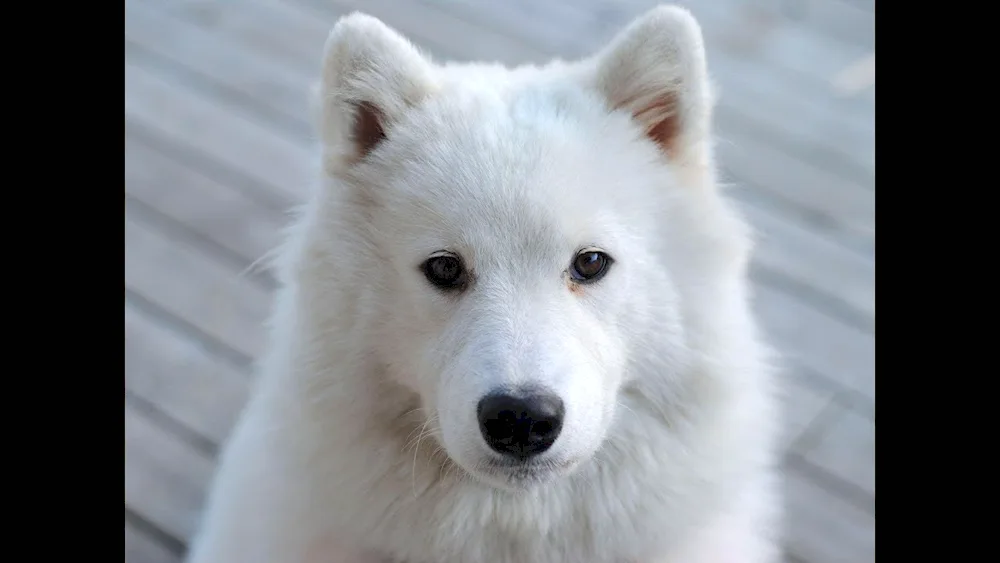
514	323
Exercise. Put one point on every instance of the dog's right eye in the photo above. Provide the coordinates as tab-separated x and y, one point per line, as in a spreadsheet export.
445	271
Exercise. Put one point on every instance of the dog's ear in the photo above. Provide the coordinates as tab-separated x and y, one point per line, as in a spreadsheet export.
371	76
655	70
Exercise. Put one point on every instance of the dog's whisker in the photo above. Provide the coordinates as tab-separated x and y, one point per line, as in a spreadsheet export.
418	430
424	432
626	407
413	472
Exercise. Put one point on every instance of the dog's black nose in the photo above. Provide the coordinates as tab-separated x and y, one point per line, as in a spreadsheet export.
520	426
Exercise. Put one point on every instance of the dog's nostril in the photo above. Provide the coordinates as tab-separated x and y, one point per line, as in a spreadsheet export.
520	425
541	429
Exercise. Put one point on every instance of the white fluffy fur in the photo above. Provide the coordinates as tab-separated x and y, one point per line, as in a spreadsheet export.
360	443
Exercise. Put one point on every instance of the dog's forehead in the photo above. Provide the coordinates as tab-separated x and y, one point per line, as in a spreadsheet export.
492	216
512	171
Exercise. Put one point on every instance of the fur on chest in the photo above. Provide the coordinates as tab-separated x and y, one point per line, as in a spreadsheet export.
601	514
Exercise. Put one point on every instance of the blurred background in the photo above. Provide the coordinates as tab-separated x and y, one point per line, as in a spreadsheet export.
218	147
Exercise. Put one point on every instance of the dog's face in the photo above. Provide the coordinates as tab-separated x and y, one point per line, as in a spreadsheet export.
516	220
511	268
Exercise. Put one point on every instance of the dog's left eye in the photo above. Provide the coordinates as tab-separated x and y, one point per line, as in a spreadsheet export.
590	266
445	271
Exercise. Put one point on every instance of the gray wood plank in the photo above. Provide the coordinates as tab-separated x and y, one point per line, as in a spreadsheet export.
817	192
846	448
789	43
140	548
152	34
838	27
833	18
274	86
868	5
165	478
841	353
802	403
217	130
822	528
179	376
194	287
252	18
208	207
254	22
810	259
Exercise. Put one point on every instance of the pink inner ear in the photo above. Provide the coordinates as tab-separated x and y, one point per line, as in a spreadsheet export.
661	121
368	131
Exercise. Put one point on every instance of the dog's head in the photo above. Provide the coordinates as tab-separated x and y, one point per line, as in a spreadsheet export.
528	237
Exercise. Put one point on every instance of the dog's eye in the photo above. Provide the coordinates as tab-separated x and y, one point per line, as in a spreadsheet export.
590	266
445	271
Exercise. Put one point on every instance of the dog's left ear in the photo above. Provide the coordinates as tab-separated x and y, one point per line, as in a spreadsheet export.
371	77
656	71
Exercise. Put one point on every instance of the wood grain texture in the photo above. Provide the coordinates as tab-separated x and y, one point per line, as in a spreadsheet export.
141	548
165	478
194	287
846	448
824	528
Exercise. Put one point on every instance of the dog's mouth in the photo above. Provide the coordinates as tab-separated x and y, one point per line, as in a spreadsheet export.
517	475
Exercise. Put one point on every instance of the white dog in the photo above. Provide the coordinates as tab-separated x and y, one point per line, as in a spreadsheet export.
514	324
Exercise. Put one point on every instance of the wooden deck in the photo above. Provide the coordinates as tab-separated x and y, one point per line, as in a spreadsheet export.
218	147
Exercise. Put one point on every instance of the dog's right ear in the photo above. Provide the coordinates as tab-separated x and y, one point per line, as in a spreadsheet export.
371	76
655	70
